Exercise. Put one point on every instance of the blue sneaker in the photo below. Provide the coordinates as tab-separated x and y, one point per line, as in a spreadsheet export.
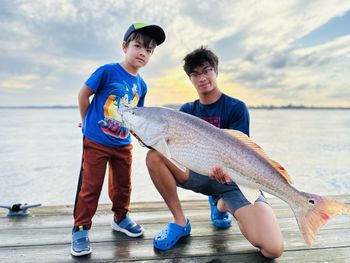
80	243
219	219
128	227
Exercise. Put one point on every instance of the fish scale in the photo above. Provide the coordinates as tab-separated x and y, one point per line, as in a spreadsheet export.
191	156
195	155
199	146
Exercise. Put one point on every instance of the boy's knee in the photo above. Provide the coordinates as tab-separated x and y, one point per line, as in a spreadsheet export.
153	159
273	250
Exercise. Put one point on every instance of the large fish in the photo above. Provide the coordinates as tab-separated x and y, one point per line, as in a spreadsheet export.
190	142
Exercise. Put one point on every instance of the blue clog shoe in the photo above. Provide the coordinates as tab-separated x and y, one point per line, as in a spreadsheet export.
169	236
219	219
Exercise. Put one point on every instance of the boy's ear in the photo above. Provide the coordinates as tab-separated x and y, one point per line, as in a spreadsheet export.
124	46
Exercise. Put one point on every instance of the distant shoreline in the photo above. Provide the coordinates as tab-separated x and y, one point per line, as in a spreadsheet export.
174	106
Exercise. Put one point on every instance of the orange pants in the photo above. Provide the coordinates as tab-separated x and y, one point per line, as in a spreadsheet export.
92	173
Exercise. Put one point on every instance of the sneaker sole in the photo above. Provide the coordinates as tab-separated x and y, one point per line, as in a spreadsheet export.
79	254
115	227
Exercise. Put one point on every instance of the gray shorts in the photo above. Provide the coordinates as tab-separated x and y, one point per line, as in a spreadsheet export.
230	193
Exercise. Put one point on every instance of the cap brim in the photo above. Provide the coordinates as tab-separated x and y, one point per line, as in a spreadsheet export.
155	32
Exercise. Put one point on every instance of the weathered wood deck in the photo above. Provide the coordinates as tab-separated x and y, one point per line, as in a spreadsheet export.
44	236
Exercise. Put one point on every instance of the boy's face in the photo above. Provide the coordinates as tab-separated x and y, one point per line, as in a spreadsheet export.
136	54
203	78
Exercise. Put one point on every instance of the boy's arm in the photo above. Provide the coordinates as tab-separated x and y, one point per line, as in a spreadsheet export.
83	101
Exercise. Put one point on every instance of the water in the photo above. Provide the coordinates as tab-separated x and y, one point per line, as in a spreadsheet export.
40	153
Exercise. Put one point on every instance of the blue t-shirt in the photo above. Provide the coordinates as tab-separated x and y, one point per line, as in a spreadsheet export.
114	90
225	113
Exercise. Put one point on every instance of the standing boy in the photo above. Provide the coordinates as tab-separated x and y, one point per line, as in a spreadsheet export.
256	221
115	87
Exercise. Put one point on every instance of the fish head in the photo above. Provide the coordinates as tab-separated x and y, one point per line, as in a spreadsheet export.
149	124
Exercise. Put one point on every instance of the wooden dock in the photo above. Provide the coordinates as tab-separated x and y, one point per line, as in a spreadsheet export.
44	236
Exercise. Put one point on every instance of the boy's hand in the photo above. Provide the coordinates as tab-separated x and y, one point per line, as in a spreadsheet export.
220	175
80	125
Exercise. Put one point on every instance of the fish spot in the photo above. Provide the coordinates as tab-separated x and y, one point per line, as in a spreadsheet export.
312	201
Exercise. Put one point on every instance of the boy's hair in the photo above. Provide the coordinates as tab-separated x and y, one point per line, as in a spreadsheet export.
148	42
198	58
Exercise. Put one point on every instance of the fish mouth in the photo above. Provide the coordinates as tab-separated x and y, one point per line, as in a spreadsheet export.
126	115
131	120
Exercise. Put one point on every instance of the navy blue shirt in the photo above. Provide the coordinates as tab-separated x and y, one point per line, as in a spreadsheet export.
225	113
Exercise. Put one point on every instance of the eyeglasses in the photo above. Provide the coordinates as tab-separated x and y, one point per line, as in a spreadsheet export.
205	72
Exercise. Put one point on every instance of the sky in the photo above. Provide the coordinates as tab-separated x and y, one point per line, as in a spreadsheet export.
271	52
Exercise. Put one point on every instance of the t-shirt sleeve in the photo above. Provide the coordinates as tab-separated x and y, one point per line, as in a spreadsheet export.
96	80
141	102
186	108
239	118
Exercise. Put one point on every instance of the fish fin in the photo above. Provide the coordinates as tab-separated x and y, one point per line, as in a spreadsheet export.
251	194
247	141
313	215
161	146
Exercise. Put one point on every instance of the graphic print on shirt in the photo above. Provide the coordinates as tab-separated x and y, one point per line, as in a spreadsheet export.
121	97
212	120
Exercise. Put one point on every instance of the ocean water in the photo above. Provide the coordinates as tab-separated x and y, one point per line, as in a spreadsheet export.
40	153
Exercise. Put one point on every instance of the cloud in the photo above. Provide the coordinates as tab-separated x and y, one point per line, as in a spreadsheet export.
338	48
62	42
20	82
283	68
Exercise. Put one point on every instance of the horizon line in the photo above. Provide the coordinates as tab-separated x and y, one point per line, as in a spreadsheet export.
288	106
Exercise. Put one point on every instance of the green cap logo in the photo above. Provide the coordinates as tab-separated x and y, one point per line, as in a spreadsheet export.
139	25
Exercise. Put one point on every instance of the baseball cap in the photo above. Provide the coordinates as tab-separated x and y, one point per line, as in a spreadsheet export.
154	31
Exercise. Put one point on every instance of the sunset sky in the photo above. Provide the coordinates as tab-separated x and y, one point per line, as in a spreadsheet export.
271	53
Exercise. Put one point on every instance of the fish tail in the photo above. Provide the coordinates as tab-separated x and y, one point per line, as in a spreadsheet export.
311	216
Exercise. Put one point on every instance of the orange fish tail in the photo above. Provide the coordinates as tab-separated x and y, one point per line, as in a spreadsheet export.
316	211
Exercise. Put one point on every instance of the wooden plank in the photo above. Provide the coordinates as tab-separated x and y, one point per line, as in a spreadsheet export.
142	249
103	232
152	206
334	255
20	228
45	235
57	219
